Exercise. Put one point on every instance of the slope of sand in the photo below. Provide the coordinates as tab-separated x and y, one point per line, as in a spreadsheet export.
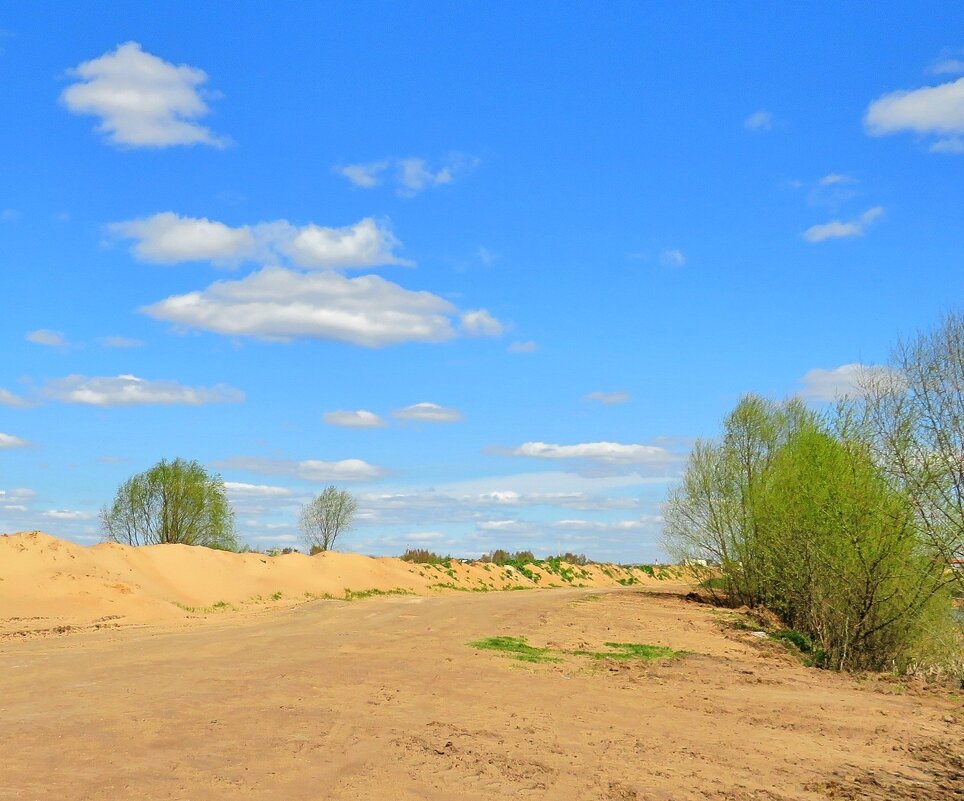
48	585
386	699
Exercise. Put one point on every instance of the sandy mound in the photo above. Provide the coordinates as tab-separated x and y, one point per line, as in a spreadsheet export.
48	584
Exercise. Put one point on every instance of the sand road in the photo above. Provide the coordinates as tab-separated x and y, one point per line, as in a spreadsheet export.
383	699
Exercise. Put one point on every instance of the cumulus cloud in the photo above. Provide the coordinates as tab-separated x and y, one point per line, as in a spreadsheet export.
825	385
354	419
141	100
934	111
129	390
306	469
120	342
279	304
838	229
759	121
411	175
527	346
238	489
168	238
7	398
607	452
10	441
50	339
672	258
67	514
428	413
365	176
480	323
607	398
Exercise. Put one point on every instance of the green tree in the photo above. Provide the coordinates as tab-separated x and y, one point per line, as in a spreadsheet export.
173	502
709	515
326	517
840	553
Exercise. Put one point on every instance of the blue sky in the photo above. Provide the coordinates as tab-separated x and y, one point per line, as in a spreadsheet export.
491	270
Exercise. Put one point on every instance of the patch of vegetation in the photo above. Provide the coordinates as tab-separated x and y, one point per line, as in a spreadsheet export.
628	582
276	596
519	648
421	556
355	595
218	606
631	650
516	648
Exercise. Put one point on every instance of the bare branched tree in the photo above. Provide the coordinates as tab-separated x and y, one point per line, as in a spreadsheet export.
914	417
326	517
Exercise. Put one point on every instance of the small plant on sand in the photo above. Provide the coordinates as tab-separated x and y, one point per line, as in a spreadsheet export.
631	650
276	596
516	648
354	595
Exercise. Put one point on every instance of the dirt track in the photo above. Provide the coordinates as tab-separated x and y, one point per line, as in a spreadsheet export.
383	699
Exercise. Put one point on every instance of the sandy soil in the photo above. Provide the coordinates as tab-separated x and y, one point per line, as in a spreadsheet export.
52	586
383	699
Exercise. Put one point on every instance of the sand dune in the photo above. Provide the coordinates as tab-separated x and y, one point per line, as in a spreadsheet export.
48	584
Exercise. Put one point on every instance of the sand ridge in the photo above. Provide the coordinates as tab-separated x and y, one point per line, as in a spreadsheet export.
49	585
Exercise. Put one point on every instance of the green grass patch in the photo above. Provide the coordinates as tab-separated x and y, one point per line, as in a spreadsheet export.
516	648
631	650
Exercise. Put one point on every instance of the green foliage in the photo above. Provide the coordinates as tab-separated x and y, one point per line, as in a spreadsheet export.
517	648
420	556
173	502
326	517
631	650
804	522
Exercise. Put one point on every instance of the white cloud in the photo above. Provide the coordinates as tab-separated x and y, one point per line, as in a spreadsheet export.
607	452
528	346
15	507
672	258
412	175
364	244
278	304
928	111
10	441
17	494
50	339
354	419
948	66
428	413
365	176
7	398
837	229
120	342
141	100
836	178
480	323
759	121
825	385
607	398
129	390
168	238
306	469
67	514
237	489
